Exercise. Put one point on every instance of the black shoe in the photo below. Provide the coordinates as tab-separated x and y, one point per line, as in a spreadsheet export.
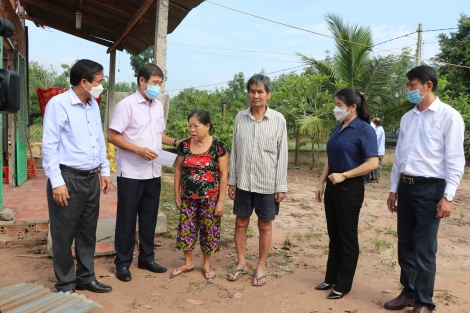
95	286
323	286
152	266
123	273
333	295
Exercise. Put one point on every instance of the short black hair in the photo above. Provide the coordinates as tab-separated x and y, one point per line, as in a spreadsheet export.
377	122
149	70
84	69
203	117
260	79
424	73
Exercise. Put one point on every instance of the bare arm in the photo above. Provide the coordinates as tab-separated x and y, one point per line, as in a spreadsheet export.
321	184
177	180
223	169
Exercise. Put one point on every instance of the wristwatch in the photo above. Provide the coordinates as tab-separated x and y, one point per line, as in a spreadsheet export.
448	197
174	143
345	174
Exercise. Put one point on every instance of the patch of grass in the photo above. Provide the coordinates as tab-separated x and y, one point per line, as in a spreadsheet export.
250	232
380	244
194	283
390	231
298	237
378	231
51	279
400	286
150	276
462	215
314	246
287	242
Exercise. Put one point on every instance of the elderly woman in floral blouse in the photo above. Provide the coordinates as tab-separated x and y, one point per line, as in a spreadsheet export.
201	172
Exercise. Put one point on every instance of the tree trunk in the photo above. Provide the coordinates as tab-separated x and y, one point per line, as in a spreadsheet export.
313	152
297	146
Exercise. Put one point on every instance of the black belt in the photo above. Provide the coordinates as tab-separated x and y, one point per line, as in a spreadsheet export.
69	169
419	180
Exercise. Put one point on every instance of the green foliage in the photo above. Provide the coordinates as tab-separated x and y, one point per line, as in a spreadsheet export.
137	61
352	64
455	49
42	77
222	104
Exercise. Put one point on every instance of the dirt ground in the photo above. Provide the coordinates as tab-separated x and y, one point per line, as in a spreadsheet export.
295	266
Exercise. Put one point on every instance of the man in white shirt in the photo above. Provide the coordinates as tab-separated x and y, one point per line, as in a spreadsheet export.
74	158
379	131
429	164
137	129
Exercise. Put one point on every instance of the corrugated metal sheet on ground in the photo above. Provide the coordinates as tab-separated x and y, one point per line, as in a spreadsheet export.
29	298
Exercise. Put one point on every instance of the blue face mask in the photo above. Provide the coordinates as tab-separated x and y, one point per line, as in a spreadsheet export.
414	96
152	91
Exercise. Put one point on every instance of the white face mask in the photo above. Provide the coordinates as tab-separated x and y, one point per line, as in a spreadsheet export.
95	92
340	114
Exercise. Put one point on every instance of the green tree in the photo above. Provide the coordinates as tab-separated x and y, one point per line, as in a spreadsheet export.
137	61
455	49
352	64
307	105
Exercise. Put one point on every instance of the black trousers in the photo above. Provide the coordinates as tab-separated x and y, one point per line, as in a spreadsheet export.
417	230
77	220
141	198
343	203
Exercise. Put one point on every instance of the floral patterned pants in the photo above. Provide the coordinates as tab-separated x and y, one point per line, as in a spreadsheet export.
197	215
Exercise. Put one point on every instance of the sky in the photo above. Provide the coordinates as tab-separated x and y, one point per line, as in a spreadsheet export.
205	48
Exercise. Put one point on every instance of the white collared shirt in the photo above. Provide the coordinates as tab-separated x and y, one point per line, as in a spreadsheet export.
143	125
430	144
72	136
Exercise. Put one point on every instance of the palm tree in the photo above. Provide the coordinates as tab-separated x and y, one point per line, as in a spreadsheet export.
353	64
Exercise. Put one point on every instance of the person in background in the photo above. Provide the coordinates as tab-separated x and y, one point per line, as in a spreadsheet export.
379	131
257	173
137	129
351	153
201	180
74	154
429	164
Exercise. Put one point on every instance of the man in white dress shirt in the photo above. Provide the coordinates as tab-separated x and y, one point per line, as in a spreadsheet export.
429	164
73	149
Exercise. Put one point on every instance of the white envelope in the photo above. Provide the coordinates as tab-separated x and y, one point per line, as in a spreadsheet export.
165	158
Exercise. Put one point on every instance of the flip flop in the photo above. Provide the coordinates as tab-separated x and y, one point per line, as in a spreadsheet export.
207	272
182	270
233	272
258	279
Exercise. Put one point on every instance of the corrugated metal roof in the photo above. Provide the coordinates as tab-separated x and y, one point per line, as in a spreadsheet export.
103	21
32	298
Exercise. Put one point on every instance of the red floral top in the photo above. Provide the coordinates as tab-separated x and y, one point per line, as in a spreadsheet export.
200	177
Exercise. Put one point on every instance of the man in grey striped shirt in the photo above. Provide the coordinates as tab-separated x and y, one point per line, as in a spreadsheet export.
257	173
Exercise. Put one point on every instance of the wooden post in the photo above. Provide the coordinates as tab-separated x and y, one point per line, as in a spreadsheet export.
110	101
419	47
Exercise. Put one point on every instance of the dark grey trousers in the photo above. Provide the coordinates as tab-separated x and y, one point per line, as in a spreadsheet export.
77	220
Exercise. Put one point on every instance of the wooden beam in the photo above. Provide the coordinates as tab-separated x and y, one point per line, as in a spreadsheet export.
179	7
69	30
53	8
118	6
136	18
